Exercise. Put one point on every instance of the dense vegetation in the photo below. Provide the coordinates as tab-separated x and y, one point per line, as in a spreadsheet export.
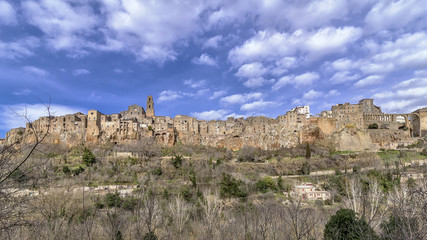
198	192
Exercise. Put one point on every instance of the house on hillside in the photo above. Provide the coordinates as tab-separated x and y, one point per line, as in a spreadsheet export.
307	191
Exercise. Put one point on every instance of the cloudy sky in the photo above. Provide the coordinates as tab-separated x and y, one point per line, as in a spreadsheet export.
210	59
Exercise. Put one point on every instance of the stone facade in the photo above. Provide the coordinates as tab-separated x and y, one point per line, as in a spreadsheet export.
294	127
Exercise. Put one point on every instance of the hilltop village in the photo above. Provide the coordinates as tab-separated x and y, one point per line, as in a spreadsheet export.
297	126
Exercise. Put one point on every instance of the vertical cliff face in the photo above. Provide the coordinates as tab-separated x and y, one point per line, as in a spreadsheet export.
352	139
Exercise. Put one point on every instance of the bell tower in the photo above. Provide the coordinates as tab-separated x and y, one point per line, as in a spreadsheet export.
150	107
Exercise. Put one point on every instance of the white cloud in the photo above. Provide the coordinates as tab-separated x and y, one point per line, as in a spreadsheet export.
22	92
257	82
283	65
7	13
212	42
306	79
408	51
241	98
117	70
343	77
406	96
150	29
283	81
251	70
210	115
195	84
35	70
205	59
320	13
81	71
421	73
257	105
301	80
9	118
368	81
169	95
344	64
385	94
218	94
272	46
332	93
18	49
65	25
397	14
312	94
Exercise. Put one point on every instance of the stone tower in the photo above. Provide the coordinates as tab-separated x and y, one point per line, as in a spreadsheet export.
150	107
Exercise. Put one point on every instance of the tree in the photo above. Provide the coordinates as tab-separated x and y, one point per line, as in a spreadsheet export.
301	220
345	225
231	187
266	184
15	155
179	213
373	126
307	151
88	157
305	168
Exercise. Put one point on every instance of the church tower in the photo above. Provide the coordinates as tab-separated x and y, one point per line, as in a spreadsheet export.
150	107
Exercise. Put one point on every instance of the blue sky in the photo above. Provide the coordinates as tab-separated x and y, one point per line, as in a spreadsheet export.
210	59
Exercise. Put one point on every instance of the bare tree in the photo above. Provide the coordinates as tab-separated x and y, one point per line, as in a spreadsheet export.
302	221
212	210
179	212
14	154
147	214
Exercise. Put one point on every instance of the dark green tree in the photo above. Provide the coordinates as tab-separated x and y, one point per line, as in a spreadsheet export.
88	157
231	187
307	151
280	183
305	168
265	185
344	225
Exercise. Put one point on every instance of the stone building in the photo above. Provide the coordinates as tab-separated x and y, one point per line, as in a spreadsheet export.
267	133
307	191
419	122
134	112
150	106
296	117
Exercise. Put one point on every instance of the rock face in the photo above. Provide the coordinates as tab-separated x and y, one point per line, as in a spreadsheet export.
352	139
274	138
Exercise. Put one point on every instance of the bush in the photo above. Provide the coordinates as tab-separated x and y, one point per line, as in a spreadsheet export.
129	203
186	194
373	126
192	177
113	200
177	161
150	236
247	154
78	170
265	185
66	170
19	176
280	183
305	168
356	169
88	157
344	225
158	171
231	187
